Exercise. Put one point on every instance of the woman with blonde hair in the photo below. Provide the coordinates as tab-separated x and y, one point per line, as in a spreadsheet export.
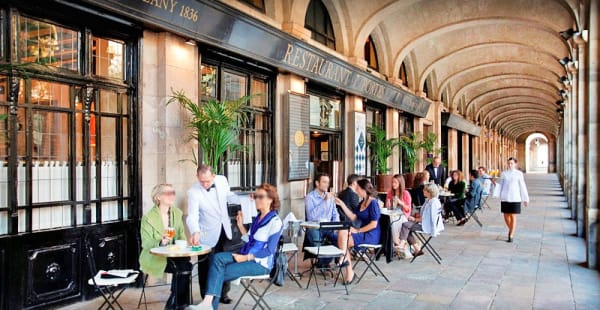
154	231
428	221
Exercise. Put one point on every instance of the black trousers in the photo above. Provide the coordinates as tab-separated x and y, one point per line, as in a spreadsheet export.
204	265
181	265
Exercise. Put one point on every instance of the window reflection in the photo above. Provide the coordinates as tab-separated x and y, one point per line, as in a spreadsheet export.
47	44
107	58
324	112
208	82
234	86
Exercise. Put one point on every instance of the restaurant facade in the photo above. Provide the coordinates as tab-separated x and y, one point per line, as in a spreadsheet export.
89	131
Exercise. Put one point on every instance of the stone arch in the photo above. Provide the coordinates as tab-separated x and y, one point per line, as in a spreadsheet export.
533	164
295	12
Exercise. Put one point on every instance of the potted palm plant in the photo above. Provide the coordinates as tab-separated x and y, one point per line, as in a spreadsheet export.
410	144
381	149
215	127
429	147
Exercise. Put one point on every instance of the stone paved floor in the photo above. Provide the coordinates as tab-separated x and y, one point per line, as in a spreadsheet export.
542	269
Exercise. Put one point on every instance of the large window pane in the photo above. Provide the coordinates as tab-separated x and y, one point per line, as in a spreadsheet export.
50	94
107	58
3	160
22	138
259	87
108	101
208	82
51	154
324	112
47	44
108	156
50	217
125	144
234	86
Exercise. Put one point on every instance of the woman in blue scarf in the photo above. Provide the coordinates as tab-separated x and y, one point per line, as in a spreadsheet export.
256	257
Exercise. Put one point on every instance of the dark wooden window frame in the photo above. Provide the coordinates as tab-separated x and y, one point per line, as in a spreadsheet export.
251	70
326	36
88	86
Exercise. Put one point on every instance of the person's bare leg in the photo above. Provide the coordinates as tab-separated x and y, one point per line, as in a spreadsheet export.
513	225
349	271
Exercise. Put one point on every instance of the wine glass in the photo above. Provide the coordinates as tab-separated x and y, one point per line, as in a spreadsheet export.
170	232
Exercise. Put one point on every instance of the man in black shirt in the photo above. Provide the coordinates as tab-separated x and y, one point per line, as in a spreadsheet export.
350	198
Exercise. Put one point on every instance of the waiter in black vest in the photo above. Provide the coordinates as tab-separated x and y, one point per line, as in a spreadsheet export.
437	172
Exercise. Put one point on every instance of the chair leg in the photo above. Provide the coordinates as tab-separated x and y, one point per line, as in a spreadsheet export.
143	294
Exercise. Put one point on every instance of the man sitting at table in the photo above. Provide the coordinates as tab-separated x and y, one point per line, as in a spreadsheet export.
320	207
350	198
475	190
486	184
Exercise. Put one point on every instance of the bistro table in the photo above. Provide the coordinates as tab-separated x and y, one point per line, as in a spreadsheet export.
387	218
174	251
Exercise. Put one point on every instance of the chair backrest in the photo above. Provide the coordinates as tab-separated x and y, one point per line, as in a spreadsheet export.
91	260
323	226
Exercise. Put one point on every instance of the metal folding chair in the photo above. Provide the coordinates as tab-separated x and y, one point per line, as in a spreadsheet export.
259	295
291	249
425	239
367	254
478	207
327	251
110	288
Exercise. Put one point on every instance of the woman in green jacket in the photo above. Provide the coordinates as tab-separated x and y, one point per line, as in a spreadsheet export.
153	233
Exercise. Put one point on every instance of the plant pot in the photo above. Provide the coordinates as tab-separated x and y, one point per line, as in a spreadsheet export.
409	179
384	182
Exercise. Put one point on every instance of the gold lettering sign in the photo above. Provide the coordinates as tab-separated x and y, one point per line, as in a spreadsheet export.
315	64
170	6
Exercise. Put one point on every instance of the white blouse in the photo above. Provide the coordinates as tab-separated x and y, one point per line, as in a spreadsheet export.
510	187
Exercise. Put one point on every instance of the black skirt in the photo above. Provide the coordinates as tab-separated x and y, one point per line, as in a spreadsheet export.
510	207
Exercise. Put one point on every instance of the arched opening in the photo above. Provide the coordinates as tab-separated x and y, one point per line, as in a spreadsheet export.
536	153
317	20
402	74
371	54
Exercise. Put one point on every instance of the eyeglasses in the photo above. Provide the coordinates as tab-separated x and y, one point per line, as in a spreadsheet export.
259	196
169	193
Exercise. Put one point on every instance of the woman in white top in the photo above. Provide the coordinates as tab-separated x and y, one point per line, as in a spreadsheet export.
511	189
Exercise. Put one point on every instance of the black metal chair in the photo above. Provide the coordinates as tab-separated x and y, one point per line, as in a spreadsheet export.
321	251
259	295
111	284
425	239
368	253
478	206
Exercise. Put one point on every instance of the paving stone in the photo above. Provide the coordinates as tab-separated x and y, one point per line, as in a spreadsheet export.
542	269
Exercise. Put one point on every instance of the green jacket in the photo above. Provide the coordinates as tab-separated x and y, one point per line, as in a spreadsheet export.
151	231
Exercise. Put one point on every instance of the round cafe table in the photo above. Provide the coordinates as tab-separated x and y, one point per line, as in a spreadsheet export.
176	251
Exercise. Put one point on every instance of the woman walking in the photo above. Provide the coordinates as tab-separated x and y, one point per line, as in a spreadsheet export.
511	189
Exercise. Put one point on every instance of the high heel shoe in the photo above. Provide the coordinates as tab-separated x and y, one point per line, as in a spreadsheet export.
352	280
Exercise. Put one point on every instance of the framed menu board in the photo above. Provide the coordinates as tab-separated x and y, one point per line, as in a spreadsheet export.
298	140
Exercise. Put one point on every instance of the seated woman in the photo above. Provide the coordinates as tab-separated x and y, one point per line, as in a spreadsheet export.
368	214
416	193
429	220
153	233
455	204
256	256
399	197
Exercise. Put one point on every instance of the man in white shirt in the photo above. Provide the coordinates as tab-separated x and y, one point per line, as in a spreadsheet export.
207	213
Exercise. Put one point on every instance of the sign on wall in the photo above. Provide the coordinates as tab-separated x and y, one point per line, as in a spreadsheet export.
298	136
360	143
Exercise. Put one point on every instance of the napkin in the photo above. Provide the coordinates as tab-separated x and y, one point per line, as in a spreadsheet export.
289	218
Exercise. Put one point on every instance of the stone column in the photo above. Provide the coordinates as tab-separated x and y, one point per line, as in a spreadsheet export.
573	147
168	64
391	128
582	107
452	148
593	139
465	160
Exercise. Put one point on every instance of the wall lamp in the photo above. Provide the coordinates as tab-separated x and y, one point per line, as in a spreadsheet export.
567	34
565	80
563	93
565	61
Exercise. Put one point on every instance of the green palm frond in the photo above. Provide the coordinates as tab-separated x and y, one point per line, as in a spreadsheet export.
381	148
215	125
